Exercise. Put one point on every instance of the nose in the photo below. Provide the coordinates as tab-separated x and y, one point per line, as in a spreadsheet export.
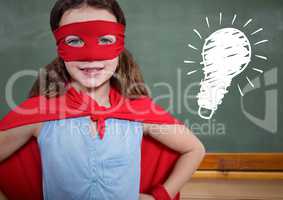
95	63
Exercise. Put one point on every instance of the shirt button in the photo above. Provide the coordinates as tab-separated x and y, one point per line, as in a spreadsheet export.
94	169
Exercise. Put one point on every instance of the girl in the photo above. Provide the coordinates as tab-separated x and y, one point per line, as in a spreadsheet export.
92	60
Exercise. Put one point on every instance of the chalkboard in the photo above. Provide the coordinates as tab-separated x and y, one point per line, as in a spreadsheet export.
167	38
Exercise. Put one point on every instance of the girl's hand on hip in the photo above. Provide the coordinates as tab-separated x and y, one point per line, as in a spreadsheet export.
146	197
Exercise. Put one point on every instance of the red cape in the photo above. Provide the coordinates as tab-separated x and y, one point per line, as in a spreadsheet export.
20	174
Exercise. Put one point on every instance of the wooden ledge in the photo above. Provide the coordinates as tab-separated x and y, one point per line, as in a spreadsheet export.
243	162
238	175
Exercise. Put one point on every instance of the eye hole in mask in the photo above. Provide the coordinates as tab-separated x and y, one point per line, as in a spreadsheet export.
106	39
74	41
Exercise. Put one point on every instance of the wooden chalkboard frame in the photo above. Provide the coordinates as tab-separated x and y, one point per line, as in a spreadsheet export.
243	161
241	166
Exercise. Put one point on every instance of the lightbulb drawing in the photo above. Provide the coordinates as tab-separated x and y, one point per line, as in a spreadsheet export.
225	54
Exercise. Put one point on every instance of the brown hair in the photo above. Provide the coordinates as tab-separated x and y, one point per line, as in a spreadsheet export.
53	78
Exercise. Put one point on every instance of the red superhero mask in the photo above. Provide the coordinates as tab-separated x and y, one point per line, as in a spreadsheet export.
90	33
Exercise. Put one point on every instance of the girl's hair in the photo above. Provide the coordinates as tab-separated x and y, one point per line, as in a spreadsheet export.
53	78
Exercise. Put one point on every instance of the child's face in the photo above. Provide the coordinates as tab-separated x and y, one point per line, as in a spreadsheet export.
92	77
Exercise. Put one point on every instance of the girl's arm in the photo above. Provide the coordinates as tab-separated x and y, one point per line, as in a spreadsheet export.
181	139
12	139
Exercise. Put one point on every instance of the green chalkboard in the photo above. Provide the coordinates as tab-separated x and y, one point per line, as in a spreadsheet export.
158	34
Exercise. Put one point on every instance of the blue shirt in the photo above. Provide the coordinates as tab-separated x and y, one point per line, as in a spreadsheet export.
80	166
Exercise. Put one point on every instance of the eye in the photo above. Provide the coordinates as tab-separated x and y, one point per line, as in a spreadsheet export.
107	39
74	41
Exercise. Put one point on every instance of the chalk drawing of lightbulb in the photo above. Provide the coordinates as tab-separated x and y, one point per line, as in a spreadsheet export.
225	54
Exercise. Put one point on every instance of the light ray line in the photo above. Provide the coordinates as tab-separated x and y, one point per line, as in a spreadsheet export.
260	42
220	18
192	72
249	21
234	18
189	61
258	70
193	47
258	30
197	32
207	22
262	57
240	91
250	82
